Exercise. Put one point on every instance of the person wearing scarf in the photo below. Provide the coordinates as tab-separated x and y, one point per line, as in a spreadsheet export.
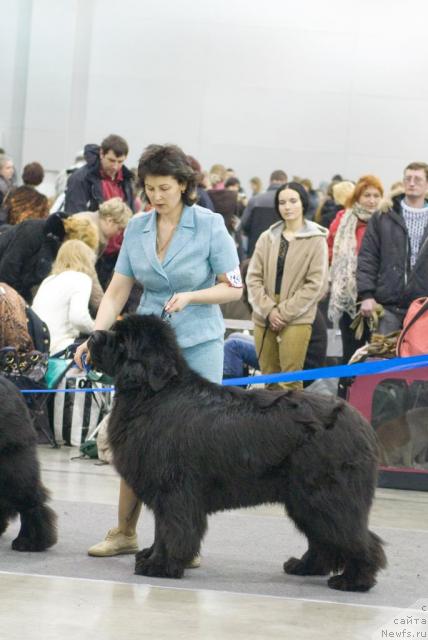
346	235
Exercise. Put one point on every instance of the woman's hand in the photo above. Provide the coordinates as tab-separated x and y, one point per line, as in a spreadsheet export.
276	323
367	307
82	349
178	302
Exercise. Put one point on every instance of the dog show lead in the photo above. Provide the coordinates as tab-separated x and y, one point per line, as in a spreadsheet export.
183	254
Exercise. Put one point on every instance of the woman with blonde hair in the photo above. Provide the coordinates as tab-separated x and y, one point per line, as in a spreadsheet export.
256	186
338	192
62	300
346	235
111	218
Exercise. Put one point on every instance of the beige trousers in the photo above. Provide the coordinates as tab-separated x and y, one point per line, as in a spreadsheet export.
284	351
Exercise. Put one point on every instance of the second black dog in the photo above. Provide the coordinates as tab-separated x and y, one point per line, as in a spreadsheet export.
21	490
189	448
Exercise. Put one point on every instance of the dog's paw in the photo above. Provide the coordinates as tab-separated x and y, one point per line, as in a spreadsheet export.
157	569
344	583
25	544
296	567
145	553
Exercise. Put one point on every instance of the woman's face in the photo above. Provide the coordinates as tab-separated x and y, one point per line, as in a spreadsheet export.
7	170
165	193
290	206
370	199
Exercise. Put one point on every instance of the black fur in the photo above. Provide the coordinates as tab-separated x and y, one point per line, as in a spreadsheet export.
189	448
21	490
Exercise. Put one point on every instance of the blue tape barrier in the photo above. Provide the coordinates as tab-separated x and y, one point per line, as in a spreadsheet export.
368	368
84	390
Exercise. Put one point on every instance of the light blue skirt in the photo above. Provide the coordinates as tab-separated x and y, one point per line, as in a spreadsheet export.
206	359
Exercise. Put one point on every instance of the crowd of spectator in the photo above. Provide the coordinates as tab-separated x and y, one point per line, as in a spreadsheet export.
314	256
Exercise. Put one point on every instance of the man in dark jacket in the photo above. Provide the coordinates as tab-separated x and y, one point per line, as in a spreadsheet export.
393	260
260	213
104	176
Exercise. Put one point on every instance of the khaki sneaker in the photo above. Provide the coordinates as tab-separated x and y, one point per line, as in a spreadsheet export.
114	544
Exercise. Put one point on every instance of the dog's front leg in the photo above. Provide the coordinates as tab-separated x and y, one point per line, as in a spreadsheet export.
153	561
178	532
155	549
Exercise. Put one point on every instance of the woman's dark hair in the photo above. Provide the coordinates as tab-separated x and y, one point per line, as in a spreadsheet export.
169	160
295	186
195	164
33	174
232	182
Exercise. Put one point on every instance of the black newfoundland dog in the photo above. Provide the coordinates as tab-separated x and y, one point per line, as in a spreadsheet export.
21	490
189	448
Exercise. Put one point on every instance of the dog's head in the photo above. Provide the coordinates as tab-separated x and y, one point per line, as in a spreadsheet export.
139	350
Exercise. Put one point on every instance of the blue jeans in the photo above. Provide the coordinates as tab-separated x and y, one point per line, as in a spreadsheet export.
239	353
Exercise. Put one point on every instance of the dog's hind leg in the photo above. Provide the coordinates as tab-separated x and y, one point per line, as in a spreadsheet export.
361	566
317	561
339	535
179	529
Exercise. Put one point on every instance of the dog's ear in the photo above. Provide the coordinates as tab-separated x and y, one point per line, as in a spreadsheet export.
133	374
159	371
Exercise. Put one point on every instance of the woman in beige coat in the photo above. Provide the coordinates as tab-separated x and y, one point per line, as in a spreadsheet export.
287	276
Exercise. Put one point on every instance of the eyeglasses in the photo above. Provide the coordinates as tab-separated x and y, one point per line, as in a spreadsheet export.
415	179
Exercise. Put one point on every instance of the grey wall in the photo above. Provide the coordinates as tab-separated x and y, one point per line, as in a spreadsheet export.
314	88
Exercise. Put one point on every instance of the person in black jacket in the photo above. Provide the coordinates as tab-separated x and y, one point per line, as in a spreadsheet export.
28	249
260	212
393	260
104	176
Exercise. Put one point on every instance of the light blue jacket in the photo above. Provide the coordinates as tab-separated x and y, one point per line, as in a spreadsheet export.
201	248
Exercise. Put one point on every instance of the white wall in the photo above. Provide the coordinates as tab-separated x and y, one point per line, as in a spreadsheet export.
314	88
15	28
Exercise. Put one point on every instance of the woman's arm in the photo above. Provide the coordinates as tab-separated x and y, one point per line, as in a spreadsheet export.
258	298
78	312
111	305
218	294
96	296
113	301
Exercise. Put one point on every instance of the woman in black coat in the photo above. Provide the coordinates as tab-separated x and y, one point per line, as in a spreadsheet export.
28	249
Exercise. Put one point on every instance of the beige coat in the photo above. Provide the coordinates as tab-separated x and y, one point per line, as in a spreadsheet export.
305	278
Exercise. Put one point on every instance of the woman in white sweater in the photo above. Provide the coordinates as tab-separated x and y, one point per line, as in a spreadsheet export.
63	297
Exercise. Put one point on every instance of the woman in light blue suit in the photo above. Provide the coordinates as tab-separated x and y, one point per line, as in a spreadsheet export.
188	264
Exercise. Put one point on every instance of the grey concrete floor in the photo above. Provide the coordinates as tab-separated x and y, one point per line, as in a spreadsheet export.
45	608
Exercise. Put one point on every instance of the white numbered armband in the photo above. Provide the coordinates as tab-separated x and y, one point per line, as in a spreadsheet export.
234	278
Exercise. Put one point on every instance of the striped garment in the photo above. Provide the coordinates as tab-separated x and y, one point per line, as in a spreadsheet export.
416	221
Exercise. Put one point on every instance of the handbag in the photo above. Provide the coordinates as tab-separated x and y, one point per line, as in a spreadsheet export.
77	414
413	339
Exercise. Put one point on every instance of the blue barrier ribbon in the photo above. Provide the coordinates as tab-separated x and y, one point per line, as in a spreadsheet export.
340	371
368	368
85	390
